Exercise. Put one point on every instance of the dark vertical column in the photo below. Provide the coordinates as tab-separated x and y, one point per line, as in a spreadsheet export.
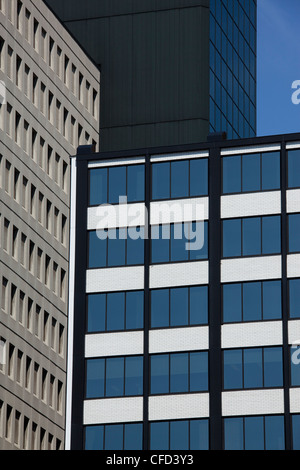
215	353
79	306
146	303
285	314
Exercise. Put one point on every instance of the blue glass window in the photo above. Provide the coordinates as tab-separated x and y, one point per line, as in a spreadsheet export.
135	183
251	236
98	186
232	303
232	240
294	233
116	311
272	302
233	369
251	172
295	365
96	309
134	310
180	435
160	243
179	179
135	246
294	298
252	305
273	367
232	170
133	436
270	171
179	372
116	248
114	437
94	438
114	377
254	433
296	432
271	235
294	169
97	251
253	363
179	306
116	183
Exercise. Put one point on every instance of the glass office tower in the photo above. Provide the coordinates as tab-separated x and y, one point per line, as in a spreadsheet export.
185	305
233	67
171	71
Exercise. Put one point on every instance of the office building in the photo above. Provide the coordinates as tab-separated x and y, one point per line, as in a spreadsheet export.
49	105
185	305
171	71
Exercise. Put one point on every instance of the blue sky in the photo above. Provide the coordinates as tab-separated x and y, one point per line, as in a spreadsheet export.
278	66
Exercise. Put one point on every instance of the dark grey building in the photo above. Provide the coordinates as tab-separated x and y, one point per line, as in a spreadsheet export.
172	70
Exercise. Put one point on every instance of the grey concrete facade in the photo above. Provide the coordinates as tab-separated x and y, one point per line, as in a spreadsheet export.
154	58
51	106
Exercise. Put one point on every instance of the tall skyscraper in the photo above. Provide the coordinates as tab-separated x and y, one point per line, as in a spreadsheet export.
172	71
185	305
49	105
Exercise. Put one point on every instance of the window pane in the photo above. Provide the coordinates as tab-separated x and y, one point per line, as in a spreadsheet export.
159	436
179	380
271	235
251	236
294	231
232	238
296	432
232	303
199	434
198	305
294	169
114	437
251	172
135	246
198	372
271	171
115	311
160	243
274	429
115	377
160	373
96	312
94	437
160	308
179	307
253	374
97	251
180	179
252	301
295	366
116	247
179	435
198	240
232	175
234	434
178	243
272	307
199	177
134	310
95	378
161	181
133	376
135	183
117	184
233	369
273	368
98	186
133	439
294	290
254	433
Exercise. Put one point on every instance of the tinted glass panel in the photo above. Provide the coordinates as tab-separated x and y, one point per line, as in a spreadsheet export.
294	169
133	436
271	171
233	369
199	177
179	380
294	231
97	251
198	305
232	238
117	184
179	306
116	248
160	243
134	310
161	181
296	432
252	303
274	430
198	372
95	378
251	172
232	303
115	311
199	435
135	246
272	305
234	434
96	312
180	179
253	371
114	437
273	368
135	183
294	300
159	436
179	435
160	374
271	235
254	433
232	174
178	243
295	366
94	437
160	308
198	241
133	376
98	186
252	236
115	377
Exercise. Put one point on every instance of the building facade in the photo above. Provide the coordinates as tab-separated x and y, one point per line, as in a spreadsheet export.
185	305
49	105
172	71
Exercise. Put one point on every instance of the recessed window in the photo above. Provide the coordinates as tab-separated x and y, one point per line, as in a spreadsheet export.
252	172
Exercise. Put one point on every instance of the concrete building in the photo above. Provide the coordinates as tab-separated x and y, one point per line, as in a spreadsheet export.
171	70
49	105
178	344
